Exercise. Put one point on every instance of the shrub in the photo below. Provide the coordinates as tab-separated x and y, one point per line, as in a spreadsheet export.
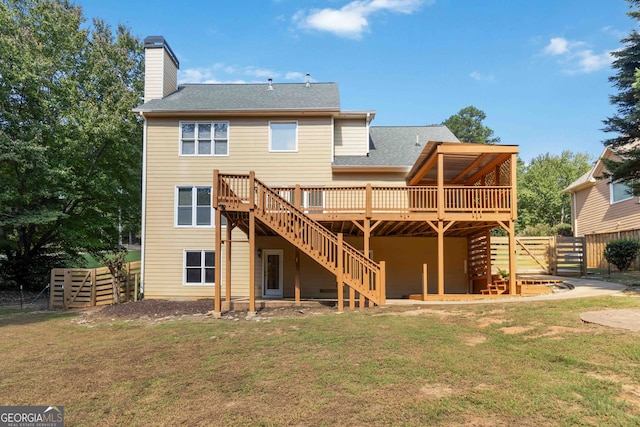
563	230
622	252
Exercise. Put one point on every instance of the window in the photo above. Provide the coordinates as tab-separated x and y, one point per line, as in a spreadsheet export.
204	138
620	191
199	267
193	207
283	136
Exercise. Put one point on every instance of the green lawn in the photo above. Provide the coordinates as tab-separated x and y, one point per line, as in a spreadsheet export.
91	262
525	364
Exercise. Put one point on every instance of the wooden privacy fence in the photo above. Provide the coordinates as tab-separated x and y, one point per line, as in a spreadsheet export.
564	256
596	243
84	287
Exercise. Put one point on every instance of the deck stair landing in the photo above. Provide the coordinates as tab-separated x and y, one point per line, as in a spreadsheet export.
242	194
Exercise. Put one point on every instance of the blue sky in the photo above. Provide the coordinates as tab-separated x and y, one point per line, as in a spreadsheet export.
538	69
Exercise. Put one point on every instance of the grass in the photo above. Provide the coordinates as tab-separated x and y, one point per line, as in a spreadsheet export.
528	364
91	262
629	278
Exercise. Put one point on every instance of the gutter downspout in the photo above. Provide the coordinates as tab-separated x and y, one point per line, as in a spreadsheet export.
143	225
574	215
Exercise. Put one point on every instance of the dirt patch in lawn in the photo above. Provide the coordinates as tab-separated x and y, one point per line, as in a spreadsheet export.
162	310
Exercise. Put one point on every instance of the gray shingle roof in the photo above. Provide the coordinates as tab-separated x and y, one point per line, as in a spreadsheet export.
248	97
396	145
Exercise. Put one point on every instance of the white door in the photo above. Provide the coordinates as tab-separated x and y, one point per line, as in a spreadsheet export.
272	273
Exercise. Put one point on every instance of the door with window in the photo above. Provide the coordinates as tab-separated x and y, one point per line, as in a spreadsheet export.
272	273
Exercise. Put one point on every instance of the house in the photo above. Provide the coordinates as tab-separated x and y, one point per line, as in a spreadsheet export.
602	206
273	191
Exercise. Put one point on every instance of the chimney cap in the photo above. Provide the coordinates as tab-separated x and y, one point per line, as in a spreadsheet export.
152	42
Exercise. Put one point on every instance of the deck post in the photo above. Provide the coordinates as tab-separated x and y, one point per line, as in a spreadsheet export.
367	237
252	189
217	303
514	183
368	201
227	293
512	258
383	283
297	197
252	261
339	273
215	195
440	258
488	255
297	277
440	186
425	289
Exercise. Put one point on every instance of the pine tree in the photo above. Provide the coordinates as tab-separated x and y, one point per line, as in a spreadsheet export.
626	123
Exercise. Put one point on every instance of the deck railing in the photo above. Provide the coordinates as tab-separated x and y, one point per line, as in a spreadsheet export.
242	192
378	199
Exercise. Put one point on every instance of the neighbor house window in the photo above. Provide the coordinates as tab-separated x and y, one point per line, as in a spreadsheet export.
620	191
199	267
204	138
283	136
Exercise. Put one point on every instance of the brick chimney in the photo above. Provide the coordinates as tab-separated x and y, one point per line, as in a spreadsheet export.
161	68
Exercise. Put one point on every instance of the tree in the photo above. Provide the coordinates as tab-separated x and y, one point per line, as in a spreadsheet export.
70	148
467	126
626	122
540	185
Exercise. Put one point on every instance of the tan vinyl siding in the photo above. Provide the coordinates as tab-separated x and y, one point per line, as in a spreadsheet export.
153	74
596	214
161	74
404	258
351	137
170	75
248	150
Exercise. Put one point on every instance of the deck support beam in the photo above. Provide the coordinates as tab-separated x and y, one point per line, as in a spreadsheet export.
217	302
227	293
297	277
252	261
339	278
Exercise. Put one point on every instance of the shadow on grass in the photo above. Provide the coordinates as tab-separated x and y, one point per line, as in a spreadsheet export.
15	316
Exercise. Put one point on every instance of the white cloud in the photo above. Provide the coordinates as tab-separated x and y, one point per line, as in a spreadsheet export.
223	73
352	20
575	58
482	77
293	75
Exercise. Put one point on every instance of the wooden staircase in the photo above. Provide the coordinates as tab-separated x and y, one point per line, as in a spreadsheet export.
498	287
237	194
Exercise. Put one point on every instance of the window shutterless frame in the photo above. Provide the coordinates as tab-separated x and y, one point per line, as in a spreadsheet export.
283	136
198	267
619	192
203	138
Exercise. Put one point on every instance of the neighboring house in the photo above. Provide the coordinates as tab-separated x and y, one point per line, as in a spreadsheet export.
599	205
273	191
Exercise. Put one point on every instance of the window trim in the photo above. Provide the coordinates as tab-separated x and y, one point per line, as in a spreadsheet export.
195	137
202	268
194	207
277	122
611	193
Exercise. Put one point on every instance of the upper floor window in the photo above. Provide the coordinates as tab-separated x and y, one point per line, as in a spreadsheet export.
204	138
620	191
283	136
